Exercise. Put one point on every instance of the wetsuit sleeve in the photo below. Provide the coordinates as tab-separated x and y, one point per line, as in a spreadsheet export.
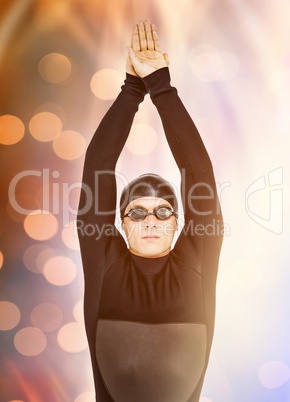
200	240
96	213
198	187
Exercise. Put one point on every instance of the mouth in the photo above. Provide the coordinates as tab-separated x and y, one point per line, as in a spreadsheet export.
149	237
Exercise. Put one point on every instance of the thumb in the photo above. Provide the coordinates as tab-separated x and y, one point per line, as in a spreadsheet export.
132	56
137	64
165	55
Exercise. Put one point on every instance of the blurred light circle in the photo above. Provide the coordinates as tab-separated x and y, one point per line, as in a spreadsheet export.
20	206
280	82
69	145
106	83
55	68
11	129
41	225
72	337
206	63
43	257
50	15
273	374
78	311
1	259
85	397
60	271
9	315
30	341
31	255
53	108
47	317
45	126
69	236
142	139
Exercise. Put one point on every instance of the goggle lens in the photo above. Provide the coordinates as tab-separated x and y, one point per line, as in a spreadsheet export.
137	214
163	213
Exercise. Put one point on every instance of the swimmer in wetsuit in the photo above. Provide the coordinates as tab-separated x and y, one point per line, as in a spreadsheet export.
149	309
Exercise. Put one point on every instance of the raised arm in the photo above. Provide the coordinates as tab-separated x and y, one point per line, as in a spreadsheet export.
198	188
96	214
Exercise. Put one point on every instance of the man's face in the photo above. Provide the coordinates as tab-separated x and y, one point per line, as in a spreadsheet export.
150	237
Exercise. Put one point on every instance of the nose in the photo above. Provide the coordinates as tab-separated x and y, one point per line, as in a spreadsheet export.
150	220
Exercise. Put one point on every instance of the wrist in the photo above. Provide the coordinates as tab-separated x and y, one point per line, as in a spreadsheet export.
135	84
158	81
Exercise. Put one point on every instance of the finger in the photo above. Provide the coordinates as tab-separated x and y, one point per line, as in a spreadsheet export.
142	36
149	38
135	43
155	38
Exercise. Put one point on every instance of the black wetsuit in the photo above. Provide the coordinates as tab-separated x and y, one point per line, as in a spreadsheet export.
149	321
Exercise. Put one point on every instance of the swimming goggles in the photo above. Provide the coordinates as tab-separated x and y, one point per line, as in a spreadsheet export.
139	213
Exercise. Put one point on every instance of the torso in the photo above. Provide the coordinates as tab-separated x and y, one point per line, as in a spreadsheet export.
151	335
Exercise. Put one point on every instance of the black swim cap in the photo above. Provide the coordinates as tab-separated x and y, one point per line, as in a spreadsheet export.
148	185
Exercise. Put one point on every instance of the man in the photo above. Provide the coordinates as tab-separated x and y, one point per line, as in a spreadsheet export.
149	309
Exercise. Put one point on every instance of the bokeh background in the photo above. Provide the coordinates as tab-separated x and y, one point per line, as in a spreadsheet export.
62	63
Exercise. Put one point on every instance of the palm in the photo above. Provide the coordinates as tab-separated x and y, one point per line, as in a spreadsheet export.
145	56
149	61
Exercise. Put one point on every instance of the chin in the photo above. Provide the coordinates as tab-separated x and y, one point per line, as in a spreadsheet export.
150	253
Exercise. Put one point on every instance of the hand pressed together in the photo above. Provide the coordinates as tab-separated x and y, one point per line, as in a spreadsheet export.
145	56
